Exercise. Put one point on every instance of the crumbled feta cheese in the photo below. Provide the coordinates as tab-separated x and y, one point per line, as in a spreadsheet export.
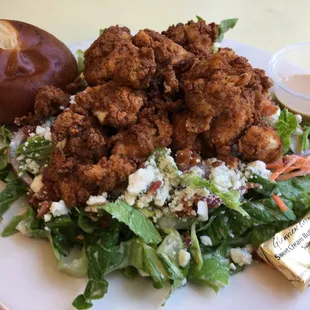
206	240
240	256
44	132
23	227
184	258
299	118
140	180
94	200
226	178
37	184
187	194
232	266
47	217
202	211
272	119
72	99
130	199
184	282
257	167
93	209
59	208
46	228
31	166
197	170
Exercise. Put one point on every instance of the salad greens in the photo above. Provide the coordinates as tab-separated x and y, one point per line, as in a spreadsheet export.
286	125
164	238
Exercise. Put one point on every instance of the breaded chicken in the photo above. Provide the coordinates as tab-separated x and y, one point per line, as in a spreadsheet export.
113	57
195	37
185	131
216	83
112	104
50	101
168	54
230	125
260	143
152	130
78	136
166	51
186	159
107	173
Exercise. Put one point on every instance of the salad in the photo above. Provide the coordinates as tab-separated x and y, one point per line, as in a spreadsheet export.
153	208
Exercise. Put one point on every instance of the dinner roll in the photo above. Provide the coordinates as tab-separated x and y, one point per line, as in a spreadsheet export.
29	58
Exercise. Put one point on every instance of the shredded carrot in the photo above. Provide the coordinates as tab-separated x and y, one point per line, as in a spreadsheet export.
282	169
275	164
293	174
279	202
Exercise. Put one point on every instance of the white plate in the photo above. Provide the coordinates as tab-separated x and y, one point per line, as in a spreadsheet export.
29	279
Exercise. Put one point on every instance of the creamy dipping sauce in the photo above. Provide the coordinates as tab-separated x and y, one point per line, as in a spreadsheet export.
299	83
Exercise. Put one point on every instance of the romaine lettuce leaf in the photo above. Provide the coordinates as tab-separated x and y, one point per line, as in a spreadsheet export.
268	187
304	139
214	272
195	248
13	190
134	219
286	125
224	26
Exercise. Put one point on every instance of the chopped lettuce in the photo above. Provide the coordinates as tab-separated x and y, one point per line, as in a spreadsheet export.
134	219
80	60
13	190
214	272
195	248
224	26
286	125
267	187
304	139
36	148
5	135
231	198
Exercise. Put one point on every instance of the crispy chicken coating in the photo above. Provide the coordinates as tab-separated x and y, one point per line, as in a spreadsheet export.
107	173
112	104
260	143
76	134
152	130
166	51
113	57
195	37
186	159
230	125
217	82
50	101
186	127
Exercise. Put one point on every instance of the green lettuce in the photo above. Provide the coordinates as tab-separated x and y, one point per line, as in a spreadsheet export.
195	248
134	219
286	125
214	272
80	60
224	26
14	189
304	140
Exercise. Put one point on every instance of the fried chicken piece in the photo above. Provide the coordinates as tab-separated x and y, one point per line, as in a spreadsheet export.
186	159
167	55
152	130
230	125
112	104
73	191
186	127
77	85
50	101
260	143
195	37
166	51
107	173
216	82
113	57
76	134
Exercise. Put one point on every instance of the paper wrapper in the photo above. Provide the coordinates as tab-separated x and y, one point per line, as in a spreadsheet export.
289	252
